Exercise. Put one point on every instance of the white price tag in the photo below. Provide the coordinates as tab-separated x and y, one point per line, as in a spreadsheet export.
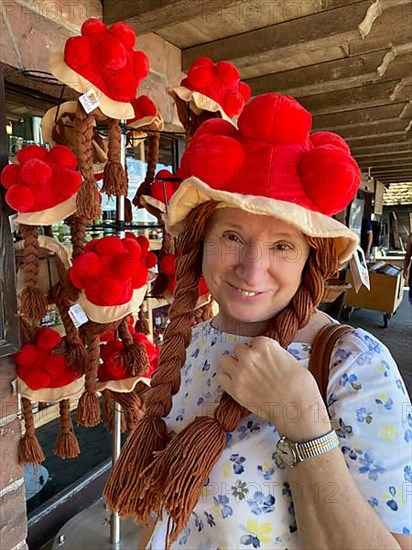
77	315
13	224
89	100
360	273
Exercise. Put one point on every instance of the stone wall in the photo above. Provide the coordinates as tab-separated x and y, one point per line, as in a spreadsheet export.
32	30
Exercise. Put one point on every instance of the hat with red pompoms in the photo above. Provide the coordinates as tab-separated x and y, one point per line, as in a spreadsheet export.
43	373
161	191
112	274
270	165
42	187
103	59
214	87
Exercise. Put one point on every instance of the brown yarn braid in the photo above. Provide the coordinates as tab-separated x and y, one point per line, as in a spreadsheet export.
66	445
174	479
29	451
108	412
114	177
59	129
132	406
78	234
144	188
168	247
141	324
33	303
88	196
133	356
204	312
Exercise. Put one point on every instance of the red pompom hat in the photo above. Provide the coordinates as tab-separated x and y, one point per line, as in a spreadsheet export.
270	165
103	59
42	187
112	274
214	87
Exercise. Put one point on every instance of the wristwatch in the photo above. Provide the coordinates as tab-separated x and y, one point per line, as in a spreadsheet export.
291	453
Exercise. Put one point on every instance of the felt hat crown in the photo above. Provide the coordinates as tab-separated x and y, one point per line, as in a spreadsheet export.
103	59
270	165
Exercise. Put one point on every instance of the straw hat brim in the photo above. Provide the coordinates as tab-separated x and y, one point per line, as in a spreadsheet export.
52	395
51	215
197	102
126	385
109	314
192	192
114	109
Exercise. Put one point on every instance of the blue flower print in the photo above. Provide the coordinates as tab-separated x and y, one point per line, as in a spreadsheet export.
407	474
203	398
332	399
352	379
206	366
223	502
183	537
261	503
373	344
393	505
266	471
186	370
384	368
368	467
343	429
295	353
248	540
198	522
179	417
238	461
250	427
240	490
187	382
213	341
374	502
385	403
363	415
195	353
400	385
229	438
339	357
210	520
408	431
405	531
351	453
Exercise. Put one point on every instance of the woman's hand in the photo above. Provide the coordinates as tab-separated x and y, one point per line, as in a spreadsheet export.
271	383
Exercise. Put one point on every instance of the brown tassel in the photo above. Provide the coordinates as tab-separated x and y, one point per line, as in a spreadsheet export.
144	189
114	178
66	445
133	356
30	451
88	409
162	280
28	333
33	303
141	324
128	211
108	412
124	484
132	407
88	196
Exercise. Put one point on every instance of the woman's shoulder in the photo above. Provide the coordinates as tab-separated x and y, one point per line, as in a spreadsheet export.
316	323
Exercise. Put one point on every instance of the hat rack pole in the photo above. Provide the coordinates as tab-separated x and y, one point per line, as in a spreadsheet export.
117	414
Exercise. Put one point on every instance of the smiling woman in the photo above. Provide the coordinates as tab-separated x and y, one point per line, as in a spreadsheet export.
237	447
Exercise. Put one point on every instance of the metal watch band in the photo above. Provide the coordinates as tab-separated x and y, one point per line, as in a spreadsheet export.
316	447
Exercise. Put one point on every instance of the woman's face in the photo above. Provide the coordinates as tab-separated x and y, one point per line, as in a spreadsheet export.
252	265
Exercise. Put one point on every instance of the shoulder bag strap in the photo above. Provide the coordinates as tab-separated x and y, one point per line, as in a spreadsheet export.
322	348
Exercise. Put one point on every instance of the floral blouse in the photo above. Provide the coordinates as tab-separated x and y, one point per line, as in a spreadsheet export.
246	502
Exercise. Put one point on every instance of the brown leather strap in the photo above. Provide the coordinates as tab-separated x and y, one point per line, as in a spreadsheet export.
322	348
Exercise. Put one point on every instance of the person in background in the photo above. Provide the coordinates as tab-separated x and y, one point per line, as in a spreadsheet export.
366	236
407	271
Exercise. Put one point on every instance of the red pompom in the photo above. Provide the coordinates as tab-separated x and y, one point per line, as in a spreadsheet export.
121	84
163	190
20	198
171	285
124	33
47	338
108	291
125	267
245	90
329	138
55	364
133	247
30	356
109	246
227	72
113	54
31	152
66	182
151	260
36	172
78	52
75	279
86	266
233	104
110	349
140	278
168	265
141	65
10	175
144	244
285	120
330	177
217	127
35	378
130	235
203	61
93	27
203	289
63	156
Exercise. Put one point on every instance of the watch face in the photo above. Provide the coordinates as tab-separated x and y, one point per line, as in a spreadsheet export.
285	453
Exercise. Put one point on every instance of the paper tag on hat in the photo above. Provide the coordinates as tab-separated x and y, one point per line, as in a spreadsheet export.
89	100
360	273
77	315
13	223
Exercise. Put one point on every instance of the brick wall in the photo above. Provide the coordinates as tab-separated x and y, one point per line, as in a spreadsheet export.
13	525
30	30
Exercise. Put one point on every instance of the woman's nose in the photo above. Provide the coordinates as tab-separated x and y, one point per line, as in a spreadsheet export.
253	266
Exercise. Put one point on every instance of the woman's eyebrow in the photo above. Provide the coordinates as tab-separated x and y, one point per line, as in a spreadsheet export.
239	227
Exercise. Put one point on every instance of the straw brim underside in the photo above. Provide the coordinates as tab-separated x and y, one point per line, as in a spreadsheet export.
197	102
109	314
50	215
114	109
192	192
51	395
126	385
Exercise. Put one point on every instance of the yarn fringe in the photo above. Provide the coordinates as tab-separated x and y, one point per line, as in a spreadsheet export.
88	410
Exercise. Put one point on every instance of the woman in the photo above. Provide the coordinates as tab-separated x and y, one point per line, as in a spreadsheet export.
252	215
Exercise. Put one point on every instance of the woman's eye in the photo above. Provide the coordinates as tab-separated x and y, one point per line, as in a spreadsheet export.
283	246
232	237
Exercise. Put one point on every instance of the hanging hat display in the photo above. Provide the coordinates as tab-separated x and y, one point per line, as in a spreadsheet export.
43	375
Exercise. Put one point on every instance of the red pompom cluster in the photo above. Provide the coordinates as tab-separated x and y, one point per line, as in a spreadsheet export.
161	189
38	367
112	367
167	265
105	57
220	82
143	107
109	269
41	179
272	155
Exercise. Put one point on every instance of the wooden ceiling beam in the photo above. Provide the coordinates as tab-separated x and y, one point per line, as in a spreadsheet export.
321	30
339	74
373	128
151	15
351	119
384	156
377	162
389	138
